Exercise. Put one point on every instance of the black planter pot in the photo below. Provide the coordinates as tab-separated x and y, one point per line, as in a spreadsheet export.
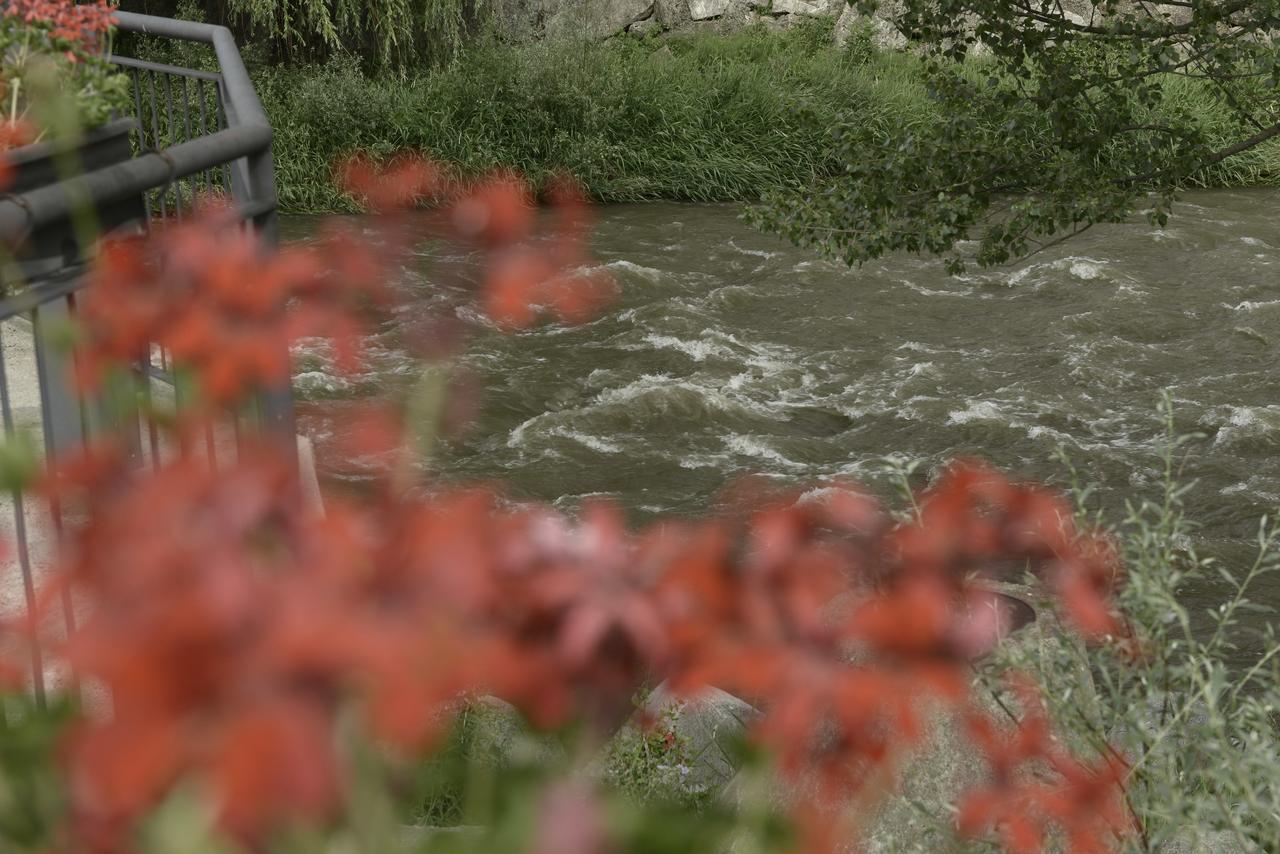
55	246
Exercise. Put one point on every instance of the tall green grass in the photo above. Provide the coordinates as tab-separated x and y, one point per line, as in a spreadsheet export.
694	118
697	119
1223	127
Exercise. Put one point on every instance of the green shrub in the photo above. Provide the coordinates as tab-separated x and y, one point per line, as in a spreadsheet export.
386	35
688	118
1193	714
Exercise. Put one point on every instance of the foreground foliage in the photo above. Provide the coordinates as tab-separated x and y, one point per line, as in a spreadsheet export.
696	119
755	115
54	79
273	671
1066	120
1196	709
386	35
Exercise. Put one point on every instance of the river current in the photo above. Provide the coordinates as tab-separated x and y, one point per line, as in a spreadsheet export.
731	352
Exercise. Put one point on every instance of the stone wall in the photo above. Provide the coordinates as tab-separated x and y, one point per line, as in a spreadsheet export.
594	20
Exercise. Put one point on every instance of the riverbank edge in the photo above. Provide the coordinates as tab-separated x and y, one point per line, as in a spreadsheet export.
702	117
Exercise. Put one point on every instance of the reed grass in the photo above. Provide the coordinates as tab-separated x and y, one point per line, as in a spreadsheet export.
692	118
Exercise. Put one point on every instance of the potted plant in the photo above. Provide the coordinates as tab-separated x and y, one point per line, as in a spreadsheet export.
60	98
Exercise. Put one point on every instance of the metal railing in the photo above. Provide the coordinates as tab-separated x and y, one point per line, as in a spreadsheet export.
236	141
198	132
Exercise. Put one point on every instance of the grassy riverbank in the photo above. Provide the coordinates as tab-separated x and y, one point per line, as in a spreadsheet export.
701	117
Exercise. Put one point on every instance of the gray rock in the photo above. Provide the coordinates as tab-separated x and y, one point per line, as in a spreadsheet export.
884	33
671	14
643	28
914	812
1212	842
798	7
518	21
708	725
1079	11
592	20
701	10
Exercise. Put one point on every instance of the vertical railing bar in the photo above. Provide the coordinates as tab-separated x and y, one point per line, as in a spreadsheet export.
209	445
55	506
222	124
177	188
186	126
20	534
184	443
204	124
153	437
82	407
142	134
155	130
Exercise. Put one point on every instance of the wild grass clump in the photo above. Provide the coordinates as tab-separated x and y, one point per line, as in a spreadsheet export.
1191	710
696	118
1210	109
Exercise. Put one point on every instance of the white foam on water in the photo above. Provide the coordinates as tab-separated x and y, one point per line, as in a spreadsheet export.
824	494
319	381
704	461
1252	305
699	351
640	270
750	446
516	437
472	314
977	410
930	292
1080	267
1245	422
758	253
595	443
1086	270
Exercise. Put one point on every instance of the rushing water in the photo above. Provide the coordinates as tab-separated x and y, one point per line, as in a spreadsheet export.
731	352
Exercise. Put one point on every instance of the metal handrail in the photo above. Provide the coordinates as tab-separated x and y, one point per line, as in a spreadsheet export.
169	146
247	135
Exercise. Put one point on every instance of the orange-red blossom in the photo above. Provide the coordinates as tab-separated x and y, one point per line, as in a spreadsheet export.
231	622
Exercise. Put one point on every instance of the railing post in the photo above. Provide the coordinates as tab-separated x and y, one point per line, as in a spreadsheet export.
277	404
60	408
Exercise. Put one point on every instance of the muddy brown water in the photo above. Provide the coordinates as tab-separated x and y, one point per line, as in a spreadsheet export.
731	352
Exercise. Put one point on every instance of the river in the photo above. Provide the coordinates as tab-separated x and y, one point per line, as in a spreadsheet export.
731	352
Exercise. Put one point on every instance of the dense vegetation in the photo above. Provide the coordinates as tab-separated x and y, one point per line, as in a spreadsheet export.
786	116
687	118
1071	121
387	35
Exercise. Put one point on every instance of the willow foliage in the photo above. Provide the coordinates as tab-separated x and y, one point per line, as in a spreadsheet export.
1050	121
385	33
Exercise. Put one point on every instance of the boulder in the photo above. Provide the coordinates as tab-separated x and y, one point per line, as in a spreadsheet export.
911	810
645	27
518	21
1211	842
884	33
671	14
592	20
798	7
707	727
702	10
